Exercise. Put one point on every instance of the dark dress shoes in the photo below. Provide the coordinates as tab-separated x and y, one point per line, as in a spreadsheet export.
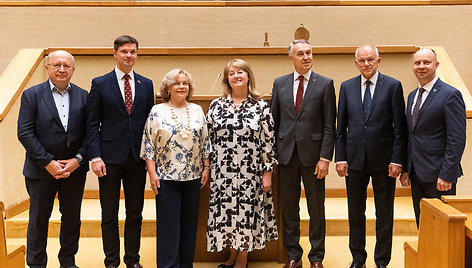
381	266
357	265
225	266
317	264
136	265
112	266
72	266
293	264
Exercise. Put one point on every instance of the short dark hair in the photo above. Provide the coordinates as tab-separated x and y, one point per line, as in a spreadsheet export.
124	39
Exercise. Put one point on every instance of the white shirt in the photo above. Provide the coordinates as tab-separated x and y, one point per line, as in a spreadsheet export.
296	81
62	103
427	88
373	81
121	82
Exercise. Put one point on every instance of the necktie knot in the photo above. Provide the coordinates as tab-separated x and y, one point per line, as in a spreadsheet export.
367	83
422	90
300	78
126	77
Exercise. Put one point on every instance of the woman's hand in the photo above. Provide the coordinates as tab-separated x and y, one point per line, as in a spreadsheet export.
266	181
155	184
205	176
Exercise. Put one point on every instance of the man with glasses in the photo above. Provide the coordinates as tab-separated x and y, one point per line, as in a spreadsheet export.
51	128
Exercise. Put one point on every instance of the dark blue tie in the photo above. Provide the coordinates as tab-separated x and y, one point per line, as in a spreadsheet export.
367	99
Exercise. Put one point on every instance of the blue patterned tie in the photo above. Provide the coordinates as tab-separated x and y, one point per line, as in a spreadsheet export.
367	99
416	108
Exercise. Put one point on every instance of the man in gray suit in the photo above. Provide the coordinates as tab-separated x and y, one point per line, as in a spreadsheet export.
304	111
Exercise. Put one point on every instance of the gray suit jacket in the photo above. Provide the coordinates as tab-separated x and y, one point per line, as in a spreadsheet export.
313	130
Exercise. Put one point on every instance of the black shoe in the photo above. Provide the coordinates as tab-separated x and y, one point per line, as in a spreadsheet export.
72	266
381	266
112	266
225	266
357	265
136	265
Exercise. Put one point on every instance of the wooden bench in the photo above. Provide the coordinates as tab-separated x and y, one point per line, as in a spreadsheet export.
464	205
16	257
441	238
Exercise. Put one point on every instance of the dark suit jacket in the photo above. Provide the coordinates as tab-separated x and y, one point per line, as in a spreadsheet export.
313	129
111	131
41	132
382	135
437	141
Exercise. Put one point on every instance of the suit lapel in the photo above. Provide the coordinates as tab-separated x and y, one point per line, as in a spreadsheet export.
72	105
434	91
289	94
137	90
116	89
358	97
50	103
309	90
409	107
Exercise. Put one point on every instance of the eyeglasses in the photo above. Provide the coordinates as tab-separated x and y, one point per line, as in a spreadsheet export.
58	66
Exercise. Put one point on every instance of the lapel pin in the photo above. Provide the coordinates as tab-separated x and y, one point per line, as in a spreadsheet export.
435	90
139	81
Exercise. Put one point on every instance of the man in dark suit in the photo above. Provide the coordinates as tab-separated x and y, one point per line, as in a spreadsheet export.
304	110
370	143
119	103
51	127
437	129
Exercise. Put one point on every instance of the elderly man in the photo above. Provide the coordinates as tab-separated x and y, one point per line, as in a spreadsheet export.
371	143
119	103
304	110
437	129
51	127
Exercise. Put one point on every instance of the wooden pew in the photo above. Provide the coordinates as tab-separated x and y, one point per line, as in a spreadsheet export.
464	205
441	239
14	259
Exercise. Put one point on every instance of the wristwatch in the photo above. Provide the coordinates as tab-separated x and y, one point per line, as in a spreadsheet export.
79	158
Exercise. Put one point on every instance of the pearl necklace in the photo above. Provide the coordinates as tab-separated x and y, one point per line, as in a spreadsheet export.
185	131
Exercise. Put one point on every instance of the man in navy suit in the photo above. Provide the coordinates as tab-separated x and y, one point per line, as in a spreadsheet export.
118	105
304	110
51	128
371	143
437	129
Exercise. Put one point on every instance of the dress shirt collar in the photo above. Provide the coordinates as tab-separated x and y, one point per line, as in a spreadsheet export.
120	74
306	75
373	79
52	87
429	85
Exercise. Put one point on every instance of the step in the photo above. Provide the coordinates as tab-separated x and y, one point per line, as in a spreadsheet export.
336	218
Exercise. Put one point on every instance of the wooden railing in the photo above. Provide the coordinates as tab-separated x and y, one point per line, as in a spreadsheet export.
14	258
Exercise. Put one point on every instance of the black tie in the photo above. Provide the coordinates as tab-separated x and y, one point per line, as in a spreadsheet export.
367	99
416	108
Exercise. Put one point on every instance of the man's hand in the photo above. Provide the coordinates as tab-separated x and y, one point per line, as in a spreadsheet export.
443	185
266	181
394	170
341	168
56	169
69	165
321	169
99	168
404	179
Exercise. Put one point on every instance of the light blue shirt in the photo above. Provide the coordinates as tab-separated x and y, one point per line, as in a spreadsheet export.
62	103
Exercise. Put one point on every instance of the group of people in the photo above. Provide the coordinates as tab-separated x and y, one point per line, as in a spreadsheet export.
234	148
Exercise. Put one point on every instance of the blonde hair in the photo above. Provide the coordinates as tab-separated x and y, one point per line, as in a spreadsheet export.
170	78
251	83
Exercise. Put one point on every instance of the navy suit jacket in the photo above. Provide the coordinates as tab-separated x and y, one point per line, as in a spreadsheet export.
382	135
313	130
41	133
437	140
112	132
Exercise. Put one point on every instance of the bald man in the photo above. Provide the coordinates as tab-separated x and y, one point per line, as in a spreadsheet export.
370	144
51	128
437	129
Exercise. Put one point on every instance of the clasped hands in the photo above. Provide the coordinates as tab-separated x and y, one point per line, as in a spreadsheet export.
60	169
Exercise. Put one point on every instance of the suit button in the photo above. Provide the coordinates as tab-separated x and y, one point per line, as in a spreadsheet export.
365	126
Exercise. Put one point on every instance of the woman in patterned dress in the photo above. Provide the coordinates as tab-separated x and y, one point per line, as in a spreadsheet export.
241	130
175	146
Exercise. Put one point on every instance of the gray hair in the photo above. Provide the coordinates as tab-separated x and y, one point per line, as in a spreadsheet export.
170	78
371	46
294	42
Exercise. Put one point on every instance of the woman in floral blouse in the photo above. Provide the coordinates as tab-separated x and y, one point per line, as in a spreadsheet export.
241	130
175	146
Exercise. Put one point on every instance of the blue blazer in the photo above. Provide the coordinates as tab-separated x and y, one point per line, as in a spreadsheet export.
313	129
437	141
382	135
112	132
41	133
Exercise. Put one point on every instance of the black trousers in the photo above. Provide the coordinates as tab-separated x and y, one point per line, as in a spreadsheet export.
177	219
384	195
133	176
42	193
421	190
290	177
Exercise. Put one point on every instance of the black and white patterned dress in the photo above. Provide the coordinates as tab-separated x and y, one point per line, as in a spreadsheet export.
241	215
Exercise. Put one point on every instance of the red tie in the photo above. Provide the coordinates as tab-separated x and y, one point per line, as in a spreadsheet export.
298	102
128	96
